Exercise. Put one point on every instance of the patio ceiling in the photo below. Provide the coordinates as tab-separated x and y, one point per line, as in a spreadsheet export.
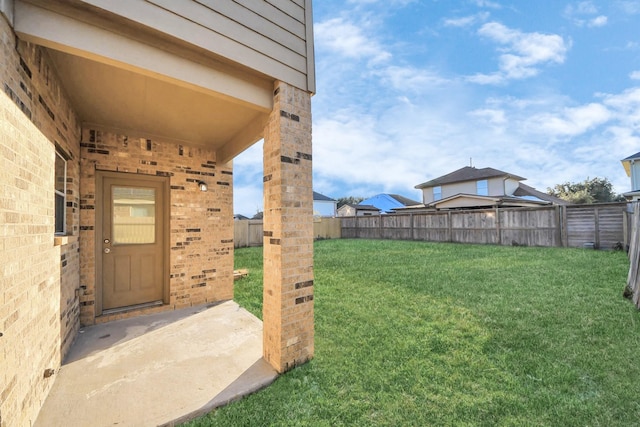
108	96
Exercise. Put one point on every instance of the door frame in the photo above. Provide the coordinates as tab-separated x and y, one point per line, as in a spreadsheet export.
99	221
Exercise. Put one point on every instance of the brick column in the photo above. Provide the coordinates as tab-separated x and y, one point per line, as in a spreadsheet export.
288	231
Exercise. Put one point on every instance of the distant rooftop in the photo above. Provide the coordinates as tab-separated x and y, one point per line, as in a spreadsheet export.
526	192
388	202
467	173
632	157
321	197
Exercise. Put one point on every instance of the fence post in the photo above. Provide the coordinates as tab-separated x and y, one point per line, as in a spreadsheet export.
411	226
449	226
625	228
565	226
558	210
596	220
498	231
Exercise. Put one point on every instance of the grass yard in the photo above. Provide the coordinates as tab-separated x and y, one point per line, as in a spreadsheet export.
432	334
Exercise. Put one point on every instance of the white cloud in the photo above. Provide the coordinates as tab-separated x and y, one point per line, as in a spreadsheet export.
626	108
632	46
581	14
569	122
490	115
410	142
411	79
581	8
629	7
466	21
599	21
487	3
486	79
348	39
247	199
247	181
635	75
624	139
522	53
628	100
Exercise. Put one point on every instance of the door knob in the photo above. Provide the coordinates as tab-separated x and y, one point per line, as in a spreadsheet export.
107	250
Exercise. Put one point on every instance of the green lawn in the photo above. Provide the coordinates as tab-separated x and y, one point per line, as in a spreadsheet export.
432	334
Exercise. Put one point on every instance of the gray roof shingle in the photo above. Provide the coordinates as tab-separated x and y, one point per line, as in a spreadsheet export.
321	197
467	173
525	190
633	156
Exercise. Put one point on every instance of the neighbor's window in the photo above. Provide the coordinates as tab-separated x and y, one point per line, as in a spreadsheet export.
482	187
60	193
437	193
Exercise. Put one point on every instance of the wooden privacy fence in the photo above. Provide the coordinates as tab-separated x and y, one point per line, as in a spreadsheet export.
602	226
250	232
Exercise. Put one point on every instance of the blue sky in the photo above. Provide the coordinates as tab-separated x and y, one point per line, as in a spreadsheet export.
409	90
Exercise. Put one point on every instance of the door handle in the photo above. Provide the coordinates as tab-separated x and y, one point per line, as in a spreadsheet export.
107	250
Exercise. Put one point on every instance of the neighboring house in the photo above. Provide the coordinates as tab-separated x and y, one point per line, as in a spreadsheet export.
240	217
386	203
469	187
631	166
120	121
323	205
357	210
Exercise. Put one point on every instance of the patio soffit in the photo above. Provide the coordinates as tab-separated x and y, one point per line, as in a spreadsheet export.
123	82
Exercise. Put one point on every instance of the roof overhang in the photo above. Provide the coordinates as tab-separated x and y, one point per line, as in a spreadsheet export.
626	164
468	201
632	195
121	77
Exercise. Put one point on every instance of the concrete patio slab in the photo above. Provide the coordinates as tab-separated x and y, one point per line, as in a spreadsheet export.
159	369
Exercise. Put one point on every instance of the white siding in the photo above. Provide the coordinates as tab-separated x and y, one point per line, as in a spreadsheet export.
511	185
495	186
467	187
324	208
635	175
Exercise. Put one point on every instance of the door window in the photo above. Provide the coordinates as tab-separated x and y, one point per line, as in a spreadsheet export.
134	215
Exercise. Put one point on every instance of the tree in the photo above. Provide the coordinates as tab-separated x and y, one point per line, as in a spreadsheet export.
349	200
595	190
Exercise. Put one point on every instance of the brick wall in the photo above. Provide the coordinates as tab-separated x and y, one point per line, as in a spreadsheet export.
201	223
288	231
38	303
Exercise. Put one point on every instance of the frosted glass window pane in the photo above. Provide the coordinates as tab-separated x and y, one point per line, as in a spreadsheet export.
134	215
